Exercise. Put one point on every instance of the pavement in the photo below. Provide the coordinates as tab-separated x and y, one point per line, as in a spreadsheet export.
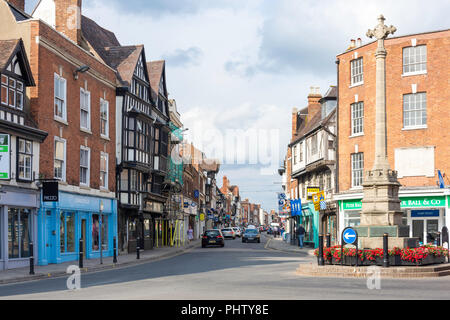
281	245
93	265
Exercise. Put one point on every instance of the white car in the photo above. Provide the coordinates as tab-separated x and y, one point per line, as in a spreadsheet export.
238	231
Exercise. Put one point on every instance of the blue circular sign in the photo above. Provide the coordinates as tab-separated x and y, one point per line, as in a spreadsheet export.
349	236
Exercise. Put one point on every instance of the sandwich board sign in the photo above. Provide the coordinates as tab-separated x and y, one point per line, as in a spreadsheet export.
5	161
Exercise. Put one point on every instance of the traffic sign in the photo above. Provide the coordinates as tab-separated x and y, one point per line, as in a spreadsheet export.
350	236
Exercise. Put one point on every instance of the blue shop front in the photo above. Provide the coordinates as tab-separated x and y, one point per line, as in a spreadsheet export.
62	224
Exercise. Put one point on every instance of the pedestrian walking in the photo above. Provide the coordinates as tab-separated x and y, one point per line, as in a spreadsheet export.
301	235
190	234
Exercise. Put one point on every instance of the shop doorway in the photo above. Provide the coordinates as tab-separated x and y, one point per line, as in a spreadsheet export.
83	236
425	229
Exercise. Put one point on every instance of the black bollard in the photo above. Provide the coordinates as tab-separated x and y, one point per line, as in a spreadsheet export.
80	261
115	250
385	251
31	258
138	249
321	261
438	239
328	240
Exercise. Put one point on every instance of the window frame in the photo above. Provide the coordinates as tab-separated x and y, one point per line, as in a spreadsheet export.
106	182
88	168
63	81
415	64
88	94
353	74
353	119
360	169
64	161
105	103
422	111
30	155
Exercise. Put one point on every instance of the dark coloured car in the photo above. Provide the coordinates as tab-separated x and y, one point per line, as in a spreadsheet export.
251	235
212	238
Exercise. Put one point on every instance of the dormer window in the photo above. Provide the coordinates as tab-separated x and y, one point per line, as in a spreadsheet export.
12	92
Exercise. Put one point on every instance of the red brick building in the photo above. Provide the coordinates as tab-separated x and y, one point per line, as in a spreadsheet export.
418	116
74	101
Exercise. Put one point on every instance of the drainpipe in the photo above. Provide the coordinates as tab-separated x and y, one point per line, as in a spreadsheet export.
337	150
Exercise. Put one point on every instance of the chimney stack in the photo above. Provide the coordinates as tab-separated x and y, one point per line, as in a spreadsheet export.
68	18
19	4
294	121
313	102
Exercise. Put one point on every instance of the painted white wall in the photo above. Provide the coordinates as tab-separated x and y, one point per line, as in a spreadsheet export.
415	162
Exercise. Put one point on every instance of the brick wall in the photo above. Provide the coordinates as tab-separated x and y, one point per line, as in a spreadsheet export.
44	64
434	83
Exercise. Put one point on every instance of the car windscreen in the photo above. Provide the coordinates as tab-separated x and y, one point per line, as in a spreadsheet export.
226	230
251	231
212	233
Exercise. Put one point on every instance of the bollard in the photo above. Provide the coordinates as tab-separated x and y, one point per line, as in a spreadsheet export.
385	250
138	248
321	261
438	239
80	261
31	258
115	250
328	240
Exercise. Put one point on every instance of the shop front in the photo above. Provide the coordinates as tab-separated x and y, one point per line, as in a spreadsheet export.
62	224
309	218
426	213
18	223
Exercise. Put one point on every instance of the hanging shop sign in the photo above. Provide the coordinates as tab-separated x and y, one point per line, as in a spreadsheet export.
310	191
319	200
50	191
5	161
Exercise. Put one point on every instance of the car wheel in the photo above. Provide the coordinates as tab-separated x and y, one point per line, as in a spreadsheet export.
222	245
203	246
259	241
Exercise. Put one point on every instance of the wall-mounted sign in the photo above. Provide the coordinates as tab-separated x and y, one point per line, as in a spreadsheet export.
5	163
310	191
50	191
409	202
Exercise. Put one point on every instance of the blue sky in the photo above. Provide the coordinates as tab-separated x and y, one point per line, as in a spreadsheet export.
246	64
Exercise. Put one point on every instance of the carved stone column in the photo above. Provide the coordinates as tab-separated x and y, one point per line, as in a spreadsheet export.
381	203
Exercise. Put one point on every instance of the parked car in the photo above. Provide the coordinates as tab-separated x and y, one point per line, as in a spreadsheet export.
229	233
238	231
213	237
251	235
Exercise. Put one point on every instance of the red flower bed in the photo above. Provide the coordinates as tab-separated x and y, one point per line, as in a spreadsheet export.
408	254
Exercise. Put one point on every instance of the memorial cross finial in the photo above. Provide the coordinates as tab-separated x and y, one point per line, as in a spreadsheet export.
381	31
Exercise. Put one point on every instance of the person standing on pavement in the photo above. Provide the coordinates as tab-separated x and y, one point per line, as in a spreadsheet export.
301	235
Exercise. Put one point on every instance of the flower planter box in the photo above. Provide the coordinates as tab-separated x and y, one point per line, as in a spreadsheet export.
350	261
335	261
367	262
408	263
431	260
395	260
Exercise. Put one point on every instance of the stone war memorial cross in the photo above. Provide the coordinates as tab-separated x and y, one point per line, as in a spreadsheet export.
381	203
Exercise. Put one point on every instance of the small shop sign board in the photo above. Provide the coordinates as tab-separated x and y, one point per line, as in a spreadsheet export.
317	199
5	161
50	191
310	191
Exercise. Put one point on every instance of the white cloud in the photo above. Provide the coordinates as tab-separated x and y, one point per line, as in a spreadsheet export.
259	57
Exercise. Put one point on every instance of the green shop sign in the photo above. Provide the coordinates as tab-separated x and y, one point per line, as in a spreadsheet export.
425	202
4	157
410	202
